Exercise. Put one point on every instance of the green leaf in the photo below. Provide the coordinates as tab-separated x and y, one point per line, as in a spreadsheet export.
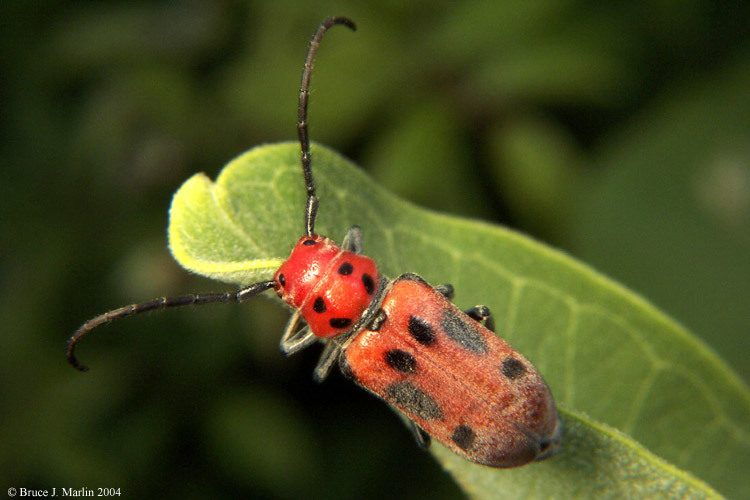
604	351
686	160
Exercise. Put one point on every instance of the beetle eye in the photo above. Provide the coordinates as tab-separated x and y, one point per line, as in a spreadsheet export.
282	280
309	242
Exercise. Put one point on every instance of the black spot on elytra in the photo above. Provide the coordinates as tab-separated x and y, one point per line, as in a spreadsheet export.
377	321
413	400
309	242
421	331
464	437
401	361
463	332
346	269
340	322
369	283
513	368
319	306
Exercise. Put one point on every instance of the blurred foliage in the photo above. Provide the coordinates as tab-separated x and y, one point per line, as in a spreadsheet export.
618	132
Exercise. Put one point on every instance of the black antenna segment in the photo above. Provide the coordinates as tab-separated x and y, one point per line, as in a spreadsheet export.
311	210
247	292
157	304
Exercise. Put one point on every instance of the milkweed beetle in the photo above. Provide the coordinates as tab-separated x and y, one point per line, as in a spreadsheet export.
402	339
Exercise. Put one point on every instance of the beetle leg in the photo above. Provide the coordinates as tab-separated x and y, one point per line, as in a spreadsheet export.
423	439
483	315
445	290
292	341
328	358
353	240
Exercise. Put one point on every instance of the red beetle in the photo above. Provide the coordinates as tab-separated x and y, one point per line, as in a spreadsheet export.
402	340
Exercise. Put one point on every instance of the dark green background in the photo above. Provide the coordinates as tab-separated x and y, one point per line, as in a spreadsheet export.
618	133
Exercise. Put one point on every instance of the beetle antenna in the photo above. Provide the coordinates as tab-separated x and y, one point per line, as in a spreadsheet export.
311	210
240	295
